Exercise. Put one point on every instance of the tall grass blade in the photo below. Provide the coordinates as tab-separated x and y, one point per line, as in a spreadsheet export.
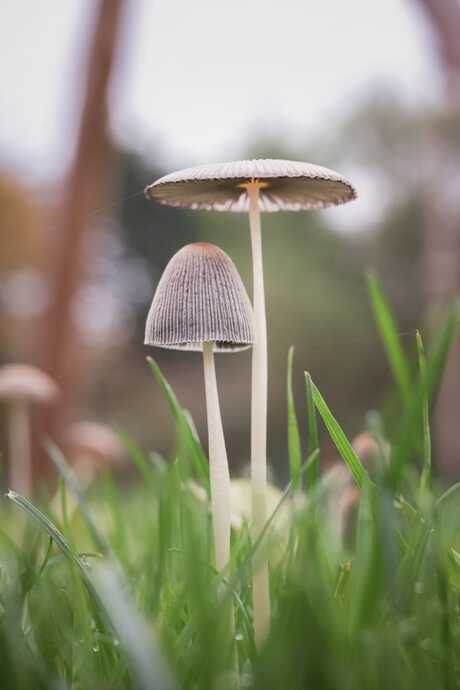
341	442
186	433
294	446
72	482
425	477
312	474
389	334
60	541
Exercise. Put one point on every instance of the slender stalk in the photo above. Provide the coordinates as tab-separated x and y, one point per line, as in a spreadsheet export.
260	583
220	483
218	463
19	442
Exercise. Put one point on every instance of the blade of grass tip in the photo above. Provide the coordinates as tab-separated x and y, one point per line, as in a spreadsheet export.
145	659
389	334
60	541
183	426
341	442
72	482
313	441
425	477
294	447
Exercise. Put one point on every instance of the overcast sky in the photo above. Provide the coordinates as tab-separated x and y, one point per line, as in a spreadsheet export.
196	80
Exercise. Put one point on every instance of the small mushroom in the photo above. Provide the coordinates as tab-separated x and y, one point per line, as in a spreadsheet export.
91	446
201	304
21	385
254	186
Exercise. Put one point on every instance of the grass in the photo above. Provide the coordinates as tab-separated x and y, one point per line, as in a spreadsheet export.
364	572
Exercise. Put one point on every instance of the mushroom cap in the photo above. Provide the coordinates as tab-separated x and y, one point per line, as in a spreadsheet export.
93	439
285	186
200	298
25	382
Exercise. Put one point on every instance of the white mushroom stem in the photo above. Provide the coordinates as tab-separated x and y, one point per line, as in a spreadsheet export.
218	463
260	583
220	482
19	446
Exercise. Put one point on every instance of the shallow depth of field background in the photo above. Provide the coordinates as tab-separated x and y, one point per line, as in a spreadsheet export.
368	89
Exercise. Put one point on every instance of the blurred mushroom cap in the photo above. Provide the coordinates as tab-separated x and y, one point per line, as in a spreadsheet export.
25	382
200	298
91	439
366	448
284	186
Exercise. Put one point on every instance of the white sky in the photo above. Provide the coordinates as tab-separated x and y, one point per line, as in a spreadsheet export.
196	80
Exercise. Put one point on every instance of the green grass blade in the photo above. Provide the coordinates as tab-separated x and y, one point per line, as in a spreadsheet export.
294	446
60	541
313	440
426	467
341	442
389	334
186	433
72	482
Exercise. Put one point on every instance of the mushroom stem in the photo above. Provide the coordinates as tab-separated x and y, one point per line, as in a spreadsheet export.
260	583
220	483
218	463
19	443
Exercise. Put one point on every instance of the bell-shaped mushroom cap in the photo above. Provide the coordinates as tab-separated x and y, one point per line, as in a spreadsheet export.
200	298
285	185
25	382
95	440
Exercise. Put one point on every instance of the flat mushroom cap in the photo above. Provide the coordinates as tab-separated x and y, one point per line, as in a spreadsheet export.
25	382
95	440
285	186
200	298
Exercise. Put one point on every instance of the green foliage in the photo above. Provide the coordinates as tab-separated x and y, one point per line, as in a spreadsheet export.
121	592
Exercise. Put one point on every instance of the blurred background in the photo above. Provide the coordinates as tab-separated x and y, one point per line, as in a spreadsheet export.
100	98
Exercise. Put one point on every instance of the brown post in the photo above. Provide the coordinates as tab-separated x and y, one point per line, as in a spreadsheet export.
84	191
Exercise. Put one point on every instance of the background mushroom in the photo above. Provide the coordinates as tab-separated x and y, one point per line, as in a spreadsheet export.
91	446
201	304
20	385
254	186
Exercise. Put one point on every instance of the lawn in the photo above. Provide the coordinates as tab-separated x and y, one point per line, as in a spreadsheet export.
116	587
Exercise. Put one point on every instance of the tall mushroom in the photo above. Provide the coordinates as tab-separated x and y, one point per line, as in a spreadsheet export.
201	304
254	186
20	385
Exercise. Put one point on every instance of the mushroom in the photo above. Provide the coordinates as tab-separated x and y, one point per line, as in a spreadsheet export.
201	304
254	186
90	446
20	385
